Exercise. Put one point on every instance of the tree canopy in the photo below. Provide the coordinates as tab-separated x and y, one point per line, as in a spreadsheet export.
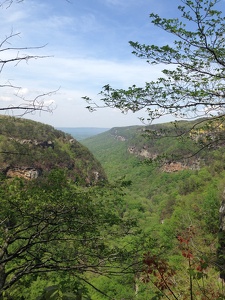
52	225
192	84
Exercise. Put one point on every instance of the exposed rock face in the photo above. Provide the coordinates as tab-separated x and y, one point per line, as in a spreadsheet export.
141	152
116	136
168	167
23	172
43	144
174	167
180	166
120	138
93	178
96	176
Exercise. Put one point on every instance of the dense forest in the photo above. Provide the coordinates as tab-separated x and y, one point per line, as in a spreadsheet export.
148	228
176	204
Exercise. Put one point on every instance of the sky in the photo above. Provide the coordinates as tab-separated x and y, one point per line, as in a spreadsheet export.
86	44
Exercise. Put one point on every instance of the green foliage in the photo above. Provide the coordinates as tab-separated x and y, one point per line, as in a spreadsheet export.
211	207
165	205
26	144
53	225
54	292
192	86
192	83
197	46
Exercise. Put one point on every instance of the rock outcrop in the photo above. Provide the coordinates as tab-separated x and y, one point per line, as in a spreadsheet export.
143	152
23	172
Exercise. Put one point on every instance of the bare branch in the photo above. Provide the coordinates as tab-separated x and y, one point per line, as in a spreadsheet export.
8	3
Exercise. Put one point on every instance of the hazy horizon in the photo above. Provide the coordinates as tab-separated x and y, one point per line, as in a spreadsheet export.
81	133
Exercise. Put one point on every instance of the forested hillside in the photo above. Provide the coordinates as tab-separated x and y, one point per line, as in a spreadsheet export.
176	198
30	149
61	222
151	231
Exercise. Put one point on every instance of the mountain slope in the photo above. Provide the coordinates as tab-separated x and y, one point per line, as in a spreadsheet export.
169	197
29	149
174	148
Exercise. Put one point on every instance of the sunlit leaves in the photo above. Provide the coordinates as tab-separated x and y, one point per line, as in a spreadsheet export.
51	224
192	84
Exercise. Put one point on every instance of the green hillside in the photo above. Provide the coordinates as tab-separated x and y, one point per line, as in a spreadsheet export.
176	200
62	224
30	149
142	154
151	231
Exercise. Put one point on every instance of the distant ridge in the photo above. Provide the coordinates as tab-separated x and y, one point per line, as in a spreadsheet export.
81	133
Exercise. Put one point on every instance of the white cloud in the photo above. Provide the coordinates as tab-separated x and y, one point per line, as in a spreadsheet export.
49	102
95	72
5	98
86	40
22	92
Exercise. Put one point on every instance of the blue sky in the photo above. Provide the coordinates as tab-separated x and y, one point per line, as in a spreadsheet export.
87	45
